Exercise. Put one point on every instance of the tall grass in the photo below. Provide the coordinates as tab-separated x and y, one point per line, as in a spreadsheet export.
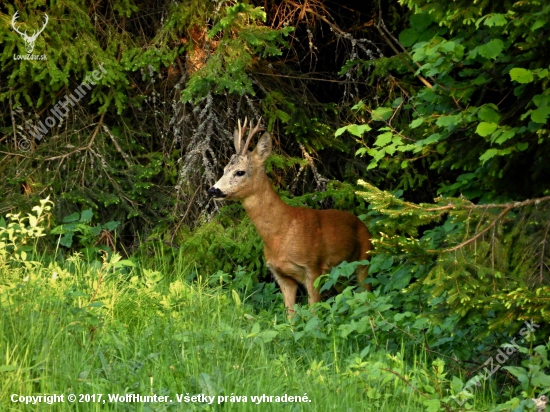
77	328
156	326
72	328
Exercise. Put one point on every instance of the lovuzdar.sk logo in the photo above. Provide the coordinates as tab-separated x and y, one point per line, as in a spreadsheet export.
29	40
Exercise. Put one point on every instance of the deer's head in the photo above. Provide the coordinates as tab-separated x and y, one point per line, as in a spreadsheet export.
29	40
245	170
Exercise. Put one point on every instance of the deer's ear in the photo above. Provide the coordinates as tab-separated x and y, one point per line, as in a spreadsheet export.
263	148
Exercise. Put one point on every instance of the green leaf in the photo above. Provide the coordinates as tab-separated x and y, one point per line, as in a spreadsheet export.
526	114
416	122
421	21
522	146
541	350
520	75
255	329
496	20
541	100
267	335
539	379
354	129
447	47
538	24
7	368
507	135
207	385
541	114
361	151
359	106
489	154
96	230
382	113
491	49
517	371
432	405
67	240
484	129
390	149
456	385
96	304
86	215
446	121
383	139
488	114
397	102
71	218
340	131
125	262
432	138
435	137
112	225
408	37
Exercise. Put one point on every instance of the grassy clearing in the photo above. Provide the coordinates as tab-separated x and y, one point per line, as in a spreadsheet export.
150	327
74	328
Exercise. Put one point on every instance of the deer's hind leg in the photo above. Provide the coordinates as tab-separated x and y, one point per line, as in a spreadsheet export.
313	293
362	272
365	247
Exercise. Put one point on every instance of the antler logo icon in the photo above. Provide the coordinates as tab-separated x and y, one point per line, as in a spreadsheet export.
29	40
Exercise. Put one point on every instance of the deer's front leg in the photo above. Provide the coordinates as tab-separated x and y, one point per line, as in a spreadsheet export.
289	287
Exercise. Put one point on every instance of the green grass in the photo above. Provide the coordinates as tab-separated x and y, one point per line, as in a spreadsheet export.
86	329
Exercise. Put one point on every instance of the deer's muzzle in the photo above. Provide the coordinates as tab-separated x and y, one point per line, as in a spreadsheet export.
216	193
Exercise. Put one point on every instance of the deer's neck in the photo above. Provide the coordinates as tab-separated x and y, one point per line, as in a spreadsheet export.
268	212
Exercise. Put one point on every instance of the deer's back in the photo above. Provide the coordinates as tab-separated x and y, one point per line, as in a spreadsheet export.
318	238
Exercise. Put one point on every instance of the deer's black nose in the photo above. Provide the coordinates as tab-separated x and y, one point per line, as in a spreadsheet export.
215	192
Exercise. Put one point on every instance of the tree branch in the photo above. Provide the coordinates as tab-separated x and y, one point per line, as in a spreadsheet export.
383	32
87	147
500	216
544	241
511	205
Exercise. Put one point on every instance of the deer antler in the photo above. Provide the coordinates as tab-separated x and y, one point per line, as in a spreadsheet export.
238	135
252	132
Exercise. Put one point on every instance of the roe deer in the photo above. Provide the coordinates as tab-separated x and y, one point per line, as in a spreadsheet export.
300	244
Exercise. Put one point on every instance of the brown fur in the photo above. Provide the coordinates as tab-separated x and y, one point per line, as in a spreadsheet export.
300	244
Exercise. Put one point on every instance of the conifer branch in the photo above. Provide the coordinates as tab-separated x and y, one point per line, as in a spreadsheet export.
543	242
507	207
511	205
500	216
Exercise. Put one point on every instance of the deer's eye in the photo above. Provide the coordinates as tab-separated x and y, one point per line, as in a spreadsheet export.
240	173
